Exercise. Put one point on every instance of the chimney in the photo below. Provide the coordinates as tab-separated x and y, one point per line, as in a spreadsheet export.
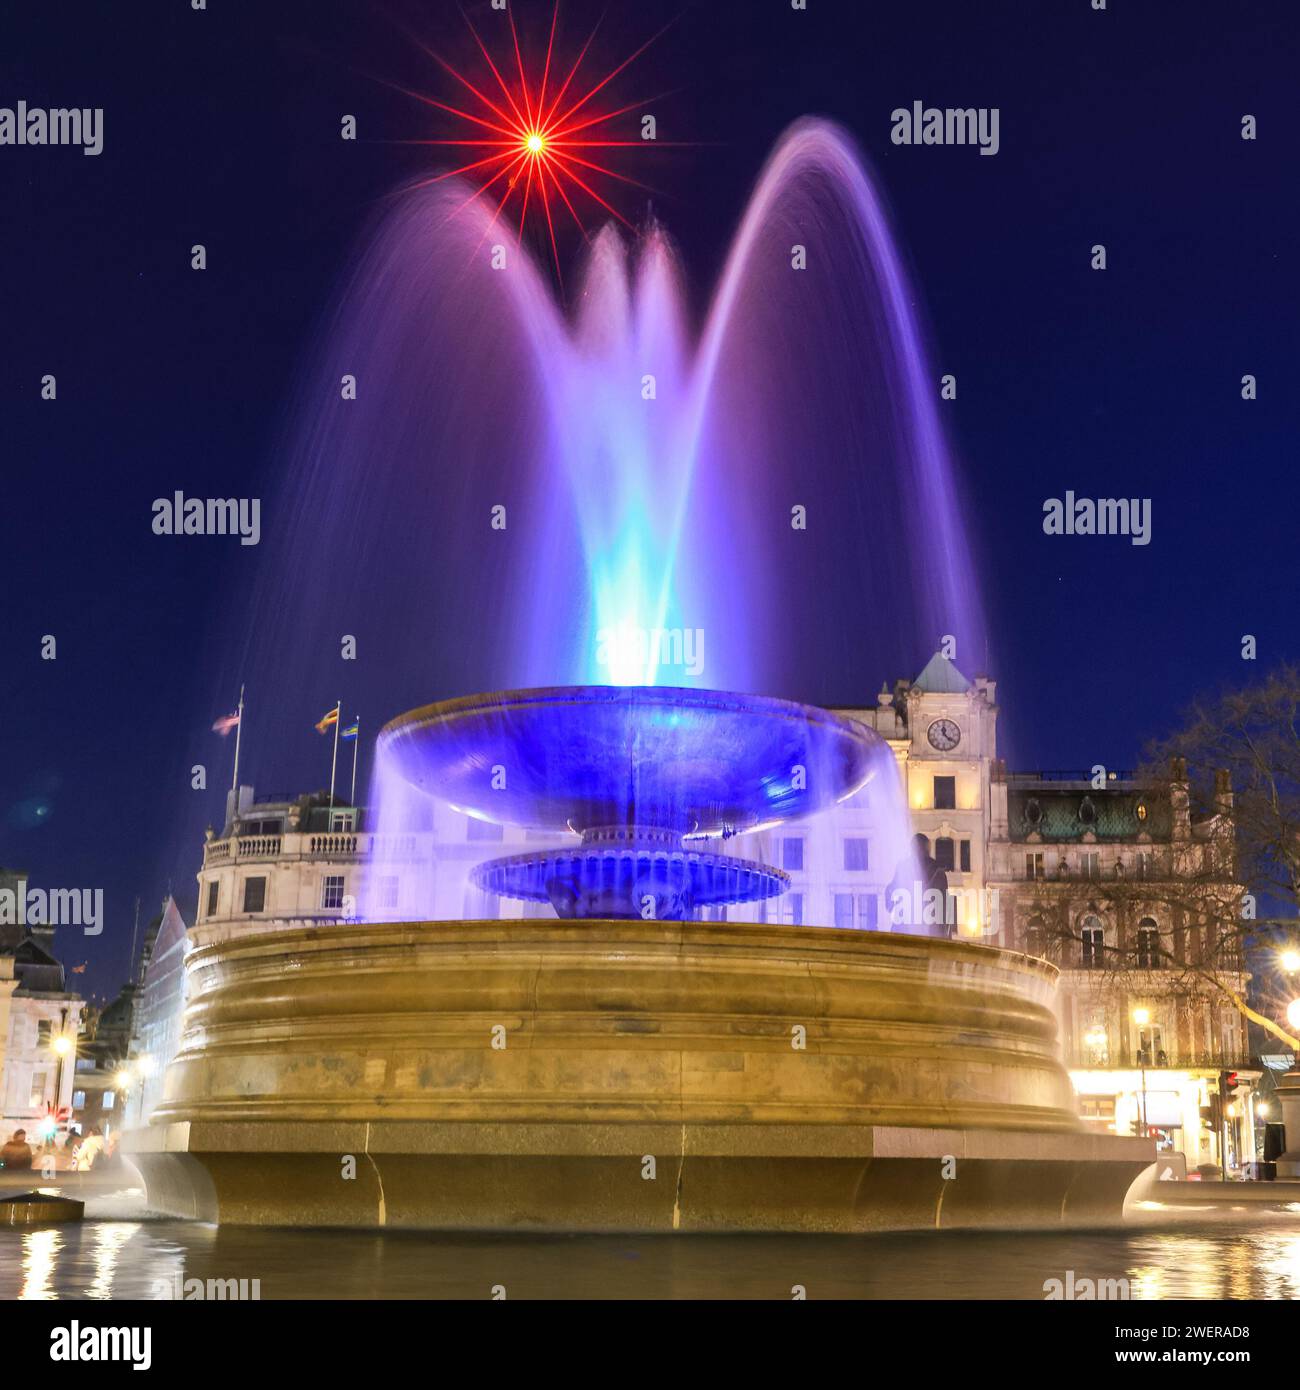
1179	801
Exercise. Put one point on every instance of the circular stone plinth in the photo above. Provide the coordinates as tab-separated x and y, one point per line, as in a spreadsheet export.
518	1075
698	762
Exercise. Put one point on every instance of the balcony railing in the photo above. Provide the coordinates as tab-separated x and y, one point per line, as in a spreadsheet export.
322	845
333	846
1081	775
1172	1061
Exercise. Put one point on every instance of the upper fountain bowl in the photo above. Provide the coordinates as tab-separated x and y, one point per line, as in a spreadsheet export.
587	758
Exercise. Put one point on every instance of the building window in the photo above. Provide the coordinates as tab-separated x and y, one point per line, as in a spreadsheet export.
386	891
945	793
343	820
260	827
1148	944
44	1031
483	830
1090	864
1096	1042
792	909
792	853
254	895
1099	1109
1035	937
40	1079
213	894
943	854
1092	936
1150	1047
331	890
965	856
855	855
1142	867
1033	866
1141	810
107	1099
78	1100
856	911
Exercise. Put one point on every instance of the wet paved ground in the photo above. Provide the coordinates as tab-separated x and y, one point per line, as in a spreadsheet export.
1231	1254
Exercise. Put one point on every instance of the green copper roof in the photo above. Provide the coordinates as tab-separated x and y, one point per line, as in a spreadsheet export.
1110	815
940	677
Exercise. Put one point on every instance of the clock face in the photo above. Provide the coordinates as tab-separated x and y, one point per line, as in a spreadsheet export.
944	735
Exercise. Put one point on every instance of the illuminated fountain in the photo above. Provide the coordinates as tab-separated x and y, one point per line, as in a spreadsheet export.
523	1073
644	775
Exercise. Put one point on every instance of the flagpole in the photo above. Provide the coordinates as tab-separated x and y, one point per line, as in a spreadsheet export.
334	762
355	741
239	729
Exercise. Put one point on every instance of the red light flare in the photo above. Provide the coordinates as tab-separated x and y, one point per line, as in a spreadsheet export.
537	145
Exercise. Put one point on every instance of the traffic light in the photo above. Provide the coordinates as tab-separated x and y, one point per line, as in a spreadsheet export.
1227	1083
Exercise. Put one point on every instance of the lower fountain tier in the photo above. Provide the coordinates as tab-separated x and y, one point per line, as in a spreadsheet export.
623	1075
630	873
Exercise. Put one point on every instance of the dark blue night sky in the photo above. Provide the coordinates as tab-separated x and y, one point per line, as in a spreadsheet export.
1120	127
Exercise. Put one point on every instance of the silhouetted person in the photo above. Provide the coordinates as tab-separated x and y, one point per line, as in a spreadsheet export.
17	1153
926	886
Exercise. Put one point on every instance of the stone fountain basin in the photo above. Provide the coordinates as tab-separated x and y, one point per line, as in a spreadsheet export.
698	762
520	1075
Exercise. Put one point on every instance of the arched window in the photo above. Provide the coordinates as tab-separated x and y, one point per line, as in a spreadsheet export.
1148	944
1092	939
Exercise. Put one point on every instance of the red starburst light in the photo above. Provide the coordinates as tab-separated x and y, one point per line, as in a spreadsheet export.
541	140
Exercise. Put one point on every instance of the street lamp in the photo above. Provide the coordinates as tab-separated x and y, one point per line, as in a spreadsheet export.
1293	1013
142	1068
1290	961
63	1045
1142	1017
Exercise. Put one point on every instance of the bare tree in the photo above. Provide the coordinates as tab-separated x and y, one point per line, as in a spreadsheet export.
1243	751
1229	868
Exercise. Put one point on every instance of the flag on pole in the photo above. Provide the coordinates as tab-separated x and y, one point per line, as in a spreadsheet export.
328	721
226	723
353	731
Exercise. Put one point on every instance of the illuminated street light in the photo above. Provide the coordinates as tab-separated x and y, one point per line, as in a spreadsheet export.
1290	961
123	1079
62	1045
1293	1013
1142	1017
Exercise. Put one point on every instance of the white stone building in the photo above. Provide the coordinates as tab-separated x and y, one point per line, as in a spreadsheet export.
40	1020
